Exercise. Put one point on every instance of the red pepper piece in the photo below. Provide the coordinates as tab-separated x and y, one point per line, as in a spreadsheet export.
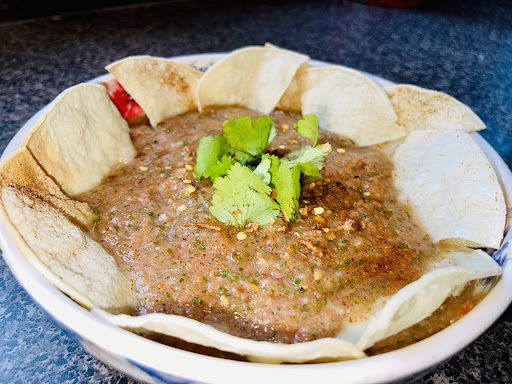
128	107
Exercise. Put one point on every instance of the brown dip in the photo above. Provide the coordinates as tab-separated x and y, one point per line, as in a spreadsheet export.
286	282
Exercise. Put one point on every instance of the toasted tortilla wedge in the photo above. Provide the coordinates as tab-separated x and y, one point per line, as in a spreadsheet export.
81	138
451	187
420	108
193	331
66	256
421	298
349	104
253	77
22	171
162	87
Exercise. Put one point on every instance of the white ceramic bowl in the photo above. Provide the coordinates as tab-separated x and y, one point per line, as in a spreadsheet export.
152	362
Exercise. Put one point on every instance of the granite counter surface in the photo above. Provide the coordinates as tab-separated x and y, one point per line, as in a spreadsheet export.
461	47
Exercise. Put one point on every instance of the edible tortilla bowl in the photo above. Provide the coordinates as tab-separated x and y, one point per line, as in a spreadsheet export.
152	362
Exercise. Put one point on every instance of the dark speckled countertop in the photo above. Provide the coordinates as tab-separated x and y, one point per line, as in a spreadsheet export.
459	47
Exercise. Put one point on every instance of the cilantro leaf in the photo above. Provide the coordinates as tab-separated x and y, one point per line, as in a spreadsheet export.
220	168
263	167
314	155
286	182
266	125
249	137
308	127
242	196
272	134
210	150
311	170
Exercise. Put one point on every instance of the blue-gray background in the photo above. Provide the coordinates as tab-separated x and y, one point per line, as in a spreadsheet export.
460	47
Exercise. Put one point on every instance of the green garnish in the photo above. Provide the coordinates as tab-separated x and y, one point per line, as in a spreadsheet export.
286	182
308	127
220	168
196	302
242	197
403	245
249	136
251	186
310	155
262	170
311	170
211	155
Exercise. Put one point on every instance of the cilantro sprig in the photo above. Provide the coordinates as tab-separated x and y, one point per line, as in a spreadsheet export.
248	136
212	157
251	186
310	159
242	196
308	127
286	182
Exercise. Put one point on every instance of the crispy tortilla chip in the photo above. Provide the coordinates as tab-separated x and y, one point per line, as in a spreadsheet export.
23	172
326	349
420	108
81	139
253	77
162	87
451	187
67	257
421	298
349	104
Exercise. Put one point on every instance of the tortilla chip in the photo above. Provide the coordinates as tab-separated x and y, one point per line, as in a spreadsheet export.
418	108
451	187
421	298
162	87
67	257
253	77
23	172
192	331
81	139
350	104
